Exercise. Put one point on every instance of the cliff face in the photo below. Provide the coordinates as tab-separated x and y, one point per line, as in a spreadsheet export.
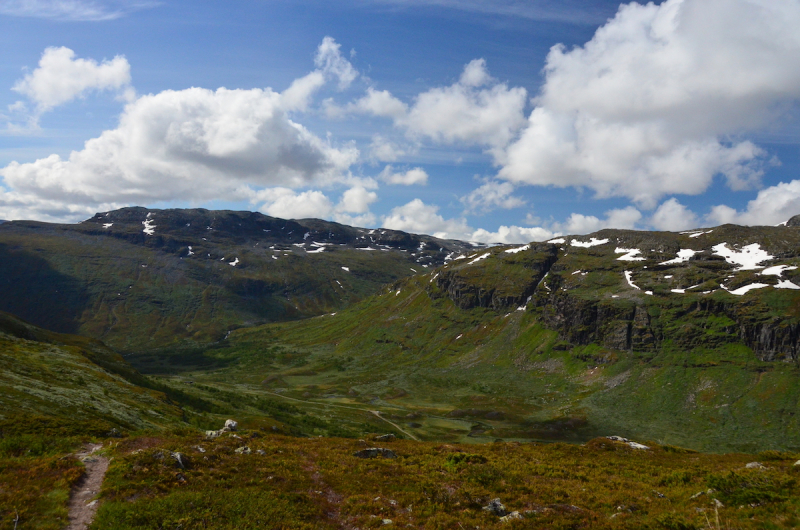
626	290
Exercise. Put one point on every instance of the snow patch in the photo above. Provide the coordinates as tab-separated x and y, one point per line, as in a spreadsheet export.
346	269
593	242
777	270
630	254
149	227
742	290
559	241
748	258
684	254
629	279
306	235
786	284
518	249
482	256
108	225
434	277
234	263
191	253
459	336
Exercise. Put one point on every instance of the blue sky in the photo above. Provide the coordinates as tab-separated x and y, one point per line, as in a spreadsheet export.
458	119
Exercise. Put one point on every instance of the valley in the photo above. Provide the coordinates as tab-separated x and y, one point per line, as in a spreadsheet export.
317	341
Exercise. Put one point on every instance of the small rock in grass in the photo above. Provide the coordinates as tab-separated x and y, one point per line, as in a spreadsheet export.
717	503
755	465
243	450
374	452
385	438
261	452
230	425
511	516
181	459
386	521
213	434
797	463
496	507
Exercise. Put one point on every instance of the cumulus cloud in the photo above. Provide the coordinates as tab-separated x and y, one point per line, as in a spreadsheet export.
331	65
773	205
413	176
673	216
288	204
653	104
624	218
418	217
71	10
491	195
513	234
196	144
60	78
356	200
475	110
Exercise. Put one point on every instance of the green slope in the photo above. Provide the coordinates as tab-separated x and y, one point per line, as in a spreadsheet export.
142	279
56	384
552	342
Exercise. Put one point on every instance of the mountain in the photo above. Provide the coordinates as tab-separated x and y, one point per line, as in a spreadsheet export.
685	338
141	279
55	383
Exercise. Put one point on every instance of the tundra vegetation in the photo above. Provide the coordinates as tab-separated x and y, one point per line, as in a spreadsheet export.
500	372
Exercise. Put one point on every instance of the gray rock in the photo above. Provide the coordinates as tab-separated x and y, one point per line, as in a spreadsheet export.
374	452
243	450
510	517
755	465
230	425
496	507
181	459
385	438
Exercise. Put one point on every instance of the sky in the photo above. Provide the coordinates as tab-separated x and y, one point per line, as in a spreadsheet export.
500	121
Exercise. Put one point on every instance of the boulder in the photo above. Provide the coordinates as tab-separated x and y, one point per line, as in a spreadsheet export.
181	459
374	452
755	465
230	425
496	507
510	517
243	450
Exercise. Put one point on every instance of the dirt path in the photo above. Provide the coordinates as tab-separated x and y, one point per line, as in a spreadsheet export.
81	505
375	412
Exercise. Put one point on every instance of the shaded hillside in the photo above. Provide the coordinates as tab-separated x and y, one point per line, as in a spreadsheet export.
142	279
686	338
53	383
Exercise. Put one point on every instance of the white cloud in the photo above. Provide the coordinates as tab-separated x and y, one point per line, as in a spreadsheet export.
513	234
382	149
673	216
466	113
623	218
60	78
287	204
652	105
330	66
379	103
195	144
773	205
492	194
356	200
420	218
72	10
413	176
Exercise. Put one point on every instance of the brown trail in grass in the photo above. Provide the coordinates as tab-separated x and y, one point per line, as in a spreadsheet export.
81	508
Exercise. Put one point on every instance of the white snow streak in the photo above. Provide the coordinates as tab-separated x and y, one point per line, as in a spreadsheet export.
748	258
684	254
593	242
518	249
630	254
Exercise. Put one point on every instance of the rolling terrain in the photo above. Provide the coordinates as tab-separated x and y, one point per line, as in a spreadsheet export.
142	279
688	339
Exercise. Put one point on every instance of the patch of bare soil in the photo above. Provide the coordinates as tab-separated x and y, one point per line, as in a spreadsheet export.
81	506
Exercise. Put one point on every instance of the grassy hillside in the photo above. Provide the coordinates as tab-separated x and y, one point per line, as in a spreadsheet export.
142	279
553	342
64	385
256	479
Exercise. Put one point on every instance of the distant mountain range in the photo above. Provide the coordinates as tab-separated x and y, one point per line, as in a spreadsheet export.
139	278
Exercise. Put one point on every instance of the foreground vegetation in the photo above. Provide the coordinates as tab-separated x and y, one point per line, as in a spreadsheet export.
258	479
